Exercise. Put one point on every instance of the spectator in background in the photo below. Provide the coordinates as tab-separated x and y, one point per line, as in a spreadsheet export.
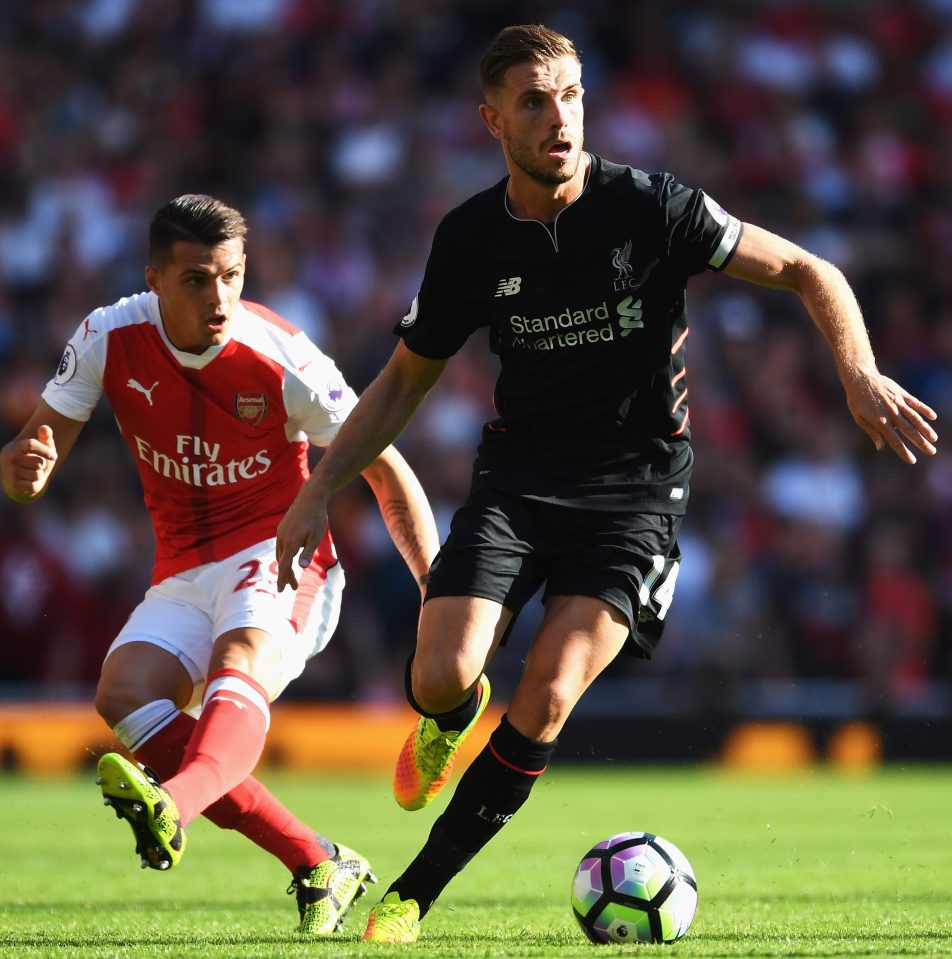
829	120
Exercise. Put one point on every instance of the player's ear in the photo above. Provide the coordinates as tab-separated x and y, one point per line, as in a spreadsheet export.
152	278
490	115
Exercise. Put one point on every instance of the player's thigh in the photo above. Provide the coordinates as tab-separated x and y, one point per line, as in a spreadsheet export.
251	651
485	572
264	633
578	637
456	638
628	560
161	652
136	674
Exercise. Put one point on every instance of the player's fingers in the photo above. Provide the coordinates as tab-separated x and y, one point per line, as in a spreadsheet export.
45	435
921	408
913	416
914	434
29	473
307	553
891	438
285	554
30	464
37	451
899	422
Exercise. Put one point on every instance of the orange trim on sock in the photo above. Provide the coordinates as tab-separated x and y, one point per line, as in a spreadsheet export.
518	769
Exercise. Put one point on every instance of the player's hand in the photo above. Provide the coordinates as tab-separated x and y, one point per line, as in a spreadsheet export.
299	535
890	416
27	464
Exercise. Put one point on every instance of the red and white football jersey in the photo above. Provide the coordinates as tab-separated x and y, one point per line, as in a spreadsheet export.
220	439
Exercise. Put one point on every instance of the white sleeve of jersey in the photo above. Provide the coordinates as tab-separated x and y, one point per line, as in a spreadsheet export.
75	389
316	397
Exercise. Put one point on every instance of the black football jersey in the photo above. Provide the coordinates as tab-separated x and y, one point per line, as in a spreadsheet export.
587	315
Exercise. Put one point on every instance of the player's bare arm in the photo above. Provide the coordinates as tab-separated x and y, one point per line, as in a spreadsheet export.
28	462
886	412
405	511
382	412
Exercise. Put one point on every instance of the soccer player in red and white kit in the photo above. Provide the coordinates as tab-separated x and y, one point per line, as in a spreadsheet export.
217	398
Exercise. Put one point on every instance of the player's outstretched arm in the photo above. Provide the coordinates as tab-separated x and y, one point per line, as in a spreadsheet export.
406	511
887	413
375	422
28	462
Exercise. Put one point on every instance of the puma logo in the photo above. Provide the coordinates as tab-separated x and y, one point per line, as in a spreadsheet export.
139	388
225	699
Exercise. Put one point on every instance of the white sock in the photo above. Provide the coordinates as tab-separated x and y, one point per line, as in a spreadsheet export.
144	723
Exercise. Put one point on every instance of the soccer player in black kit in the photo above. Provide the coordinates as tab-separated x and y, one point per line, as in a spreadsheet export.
577	266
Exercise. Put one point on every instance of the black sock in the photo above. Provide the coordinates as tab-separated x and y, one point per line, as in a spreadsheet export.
454	719
489	794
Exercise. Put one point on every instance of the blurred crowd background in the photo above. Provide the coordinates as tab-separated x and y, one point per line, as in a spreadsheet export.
816	573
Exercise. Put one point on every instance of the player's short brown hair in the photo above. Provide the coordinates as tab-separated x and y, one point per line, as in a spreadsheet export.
526	43
194	218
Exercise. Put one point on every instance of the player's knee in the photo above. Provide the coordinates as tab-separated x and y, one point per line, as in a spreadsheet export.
441	684
541	707
114	702
119	695
556	699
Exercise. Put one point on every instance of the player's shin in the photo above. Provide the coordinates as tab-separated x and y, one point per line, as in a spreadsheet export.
226	745
489	794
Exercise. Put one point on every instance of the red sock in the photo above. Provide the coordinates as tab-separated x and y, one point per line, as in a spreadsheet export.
251	810
226	744
248	808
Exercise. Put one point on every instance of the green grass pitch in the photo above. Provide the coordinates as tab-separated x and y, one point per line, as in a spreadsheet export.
812	864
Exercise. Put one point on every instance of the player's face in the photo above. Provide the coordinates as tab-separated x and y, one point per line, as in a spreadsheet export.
538	118
198	290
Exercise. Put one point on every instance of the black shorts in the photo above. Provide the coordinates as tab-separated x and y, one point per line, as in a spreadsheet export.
504	547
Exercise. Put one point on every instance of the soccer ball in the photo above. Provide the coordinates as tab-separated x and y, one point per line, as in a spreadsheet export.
634	887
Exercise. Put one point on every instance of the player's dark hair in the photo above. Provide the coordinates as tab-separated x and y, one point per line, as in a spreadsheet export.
526	43
194	218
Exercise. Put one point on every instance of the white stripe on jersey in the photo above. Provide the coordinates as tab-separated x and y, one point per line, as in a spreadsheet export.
726	246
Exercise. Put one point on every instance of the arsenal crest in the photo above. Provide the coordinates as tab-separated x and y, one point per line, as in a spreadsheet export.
251	407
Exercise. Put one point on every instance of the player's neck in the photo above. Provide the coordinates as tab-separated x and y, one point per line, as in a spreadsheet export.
528	199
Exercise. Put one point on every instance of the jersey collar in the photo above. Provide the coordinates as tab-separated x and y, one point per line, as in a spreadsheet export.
193	361
585	188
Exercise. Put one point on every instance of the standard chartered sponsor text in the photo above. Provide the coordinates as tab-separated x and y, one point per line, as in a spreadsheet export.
568	328
201	472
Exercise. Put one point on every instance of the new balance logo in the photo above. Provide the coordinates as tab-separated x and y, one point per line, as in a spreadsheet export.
510	286
139	388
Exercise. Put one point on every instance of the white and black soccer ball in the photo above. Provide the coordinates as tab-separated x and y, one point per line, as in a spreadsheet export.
634	887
